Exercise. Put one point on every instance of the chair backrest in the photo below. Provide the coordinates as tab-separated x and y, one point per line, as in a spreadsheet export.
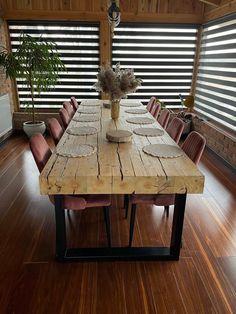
175	129
74	103
151	103
67	105
40	150
193	146
55	129
164	118
64	117
155	109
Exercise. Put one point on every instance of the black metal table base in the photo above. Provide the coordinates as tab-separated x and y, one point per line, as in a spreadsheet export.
64	254
118	253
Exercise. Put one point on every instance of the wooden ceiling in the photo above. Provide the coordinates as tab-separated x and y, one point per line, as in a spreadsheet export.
185	11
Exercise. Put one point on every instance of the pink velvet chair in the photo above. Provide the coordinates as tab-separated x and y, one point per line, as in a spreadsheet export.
155	109
193	147
175	129
55	130
64	117
164	118
74	103
42	153
70	110
151	103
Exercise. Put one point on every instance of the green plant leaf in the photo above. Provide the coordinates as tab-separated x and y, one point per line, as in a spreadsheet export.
36	62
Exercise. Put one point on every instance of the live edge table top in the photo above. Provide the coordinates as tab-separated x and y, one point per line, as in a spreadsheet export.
118	168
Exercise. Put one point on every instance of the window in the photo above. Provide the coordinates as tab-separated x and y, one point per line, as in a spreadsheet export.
161	55
78	44
216	82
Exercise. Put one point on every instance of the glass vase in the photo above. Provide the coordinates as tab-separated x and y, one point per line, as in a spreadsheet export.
115	109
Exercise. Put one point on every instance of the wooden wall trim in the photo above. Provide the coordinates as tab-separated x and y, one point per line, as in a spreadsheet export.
221	11
53	15
99	16
105	46
162	18
13	86
105	42
196	61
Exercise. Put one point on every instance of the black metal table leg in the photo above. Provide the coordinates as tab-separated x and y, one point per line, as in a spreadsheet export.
177	225
119	253
60	228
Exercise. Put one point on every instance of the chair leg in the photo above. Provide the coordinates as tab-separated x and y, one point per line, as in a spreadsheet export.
106	212
132	221
126	205
167	210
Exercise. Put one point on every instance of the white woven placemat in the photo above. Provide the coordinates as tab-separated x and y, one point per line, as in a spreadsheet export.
136	111
163	150
86	118
91	103
132	104
73	150
82	130
88	110
140	120
148	131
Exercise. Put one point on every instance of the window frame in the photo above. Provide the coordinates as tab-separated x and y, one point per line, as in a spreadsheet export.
165	72
66	89
216	77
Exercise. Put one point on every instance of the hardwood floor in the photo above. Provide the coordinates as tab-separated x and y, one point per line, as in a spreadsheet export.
31	281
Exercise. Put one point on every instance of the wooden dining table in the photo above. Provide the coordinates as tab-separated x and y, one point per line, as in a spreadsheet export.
118	168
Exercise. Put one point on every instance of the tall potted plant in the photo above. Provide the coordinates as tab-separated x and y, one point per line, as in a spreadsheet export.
37	63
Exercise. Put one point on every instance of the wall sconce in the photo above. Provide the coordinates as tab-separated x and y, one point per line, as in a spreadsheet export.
113	14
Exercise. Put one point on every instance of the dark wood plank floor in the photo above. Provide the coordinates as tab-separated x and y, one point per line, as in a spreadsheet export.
31	281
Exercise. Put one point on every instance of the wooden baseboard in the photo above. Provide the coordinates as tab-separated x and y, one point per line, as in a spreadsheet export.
221	159
3	138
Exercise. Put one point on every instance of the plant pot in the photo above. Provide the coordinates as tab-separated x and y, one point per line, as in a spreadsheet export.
31	128
115	109
187	127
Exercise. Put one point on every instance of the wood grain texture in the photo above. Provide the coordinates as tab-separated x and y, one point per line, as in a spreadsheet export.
202	281
131	10
214	3
105	42
226	7
196	61
152	6
118	168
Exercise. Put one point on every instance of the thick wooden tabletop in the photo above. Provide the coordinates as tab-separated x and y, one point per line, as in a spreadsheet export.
118	168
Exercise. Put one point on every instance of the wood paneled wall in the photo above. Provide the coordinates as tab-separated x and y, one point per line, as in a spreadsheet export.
6	85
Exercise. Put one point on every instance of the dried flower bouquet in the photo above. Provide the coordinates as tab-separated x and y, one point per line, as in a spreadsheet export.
116	83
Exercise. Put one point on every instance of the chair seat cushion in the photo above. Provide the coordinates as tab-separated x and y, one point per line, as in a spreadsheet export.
80	202
97	200
156	199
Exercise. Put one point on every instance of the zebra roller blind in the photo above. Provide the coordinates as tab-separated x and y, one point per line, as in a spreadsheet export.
161	55
78	44
216	82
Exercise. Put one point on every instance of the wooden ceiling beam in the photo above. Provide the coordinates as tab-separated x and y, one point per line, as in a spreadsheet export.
101	16
220	11
215	3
